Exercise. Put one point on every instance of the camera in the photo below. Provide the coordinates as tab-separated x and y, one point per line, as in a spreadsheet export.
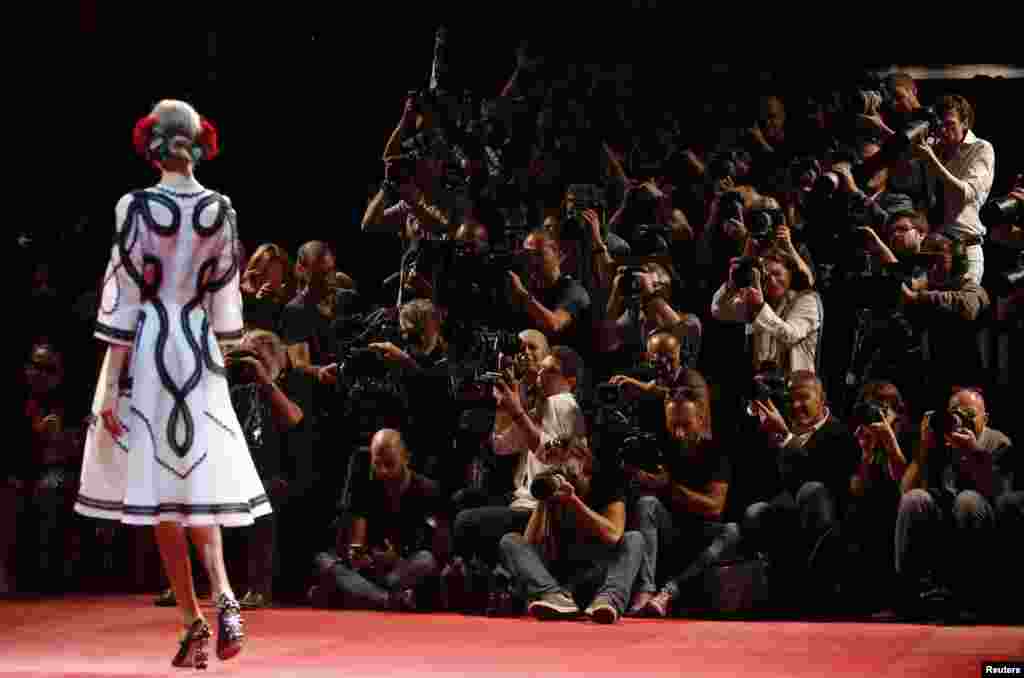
585	197
545	485
631	280
763	222
743	274
770	387
951	420
869	412
730	206
918	126
651	239
1005	210
642	450
240	373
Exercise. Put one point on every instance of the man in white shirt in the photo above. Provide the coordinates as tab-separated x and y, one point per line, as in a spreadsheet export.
965	165
517	432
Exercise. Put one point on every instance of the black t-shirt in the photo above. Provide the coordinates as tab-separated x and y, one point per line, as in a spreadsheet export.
407	529
570	295
694	468
303	322
263	314
276	451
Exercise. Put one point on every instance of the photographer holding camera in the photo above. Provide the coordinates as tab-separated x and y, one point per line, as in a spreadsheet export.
397	536
274	407
575	553
640	304
423	369
551	301
412	201
958	487
964	166
785	323
809	474
681	510
946	303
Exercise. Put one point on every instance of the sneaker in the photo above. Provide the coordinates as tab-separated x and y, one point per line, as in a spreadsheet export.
602	611
403	601
166	599
659	605
555	605
639	602
253	601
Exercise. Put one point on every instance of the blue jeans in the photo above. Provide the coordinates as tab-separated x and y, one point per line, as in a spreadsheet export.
590	570
360	592
685	541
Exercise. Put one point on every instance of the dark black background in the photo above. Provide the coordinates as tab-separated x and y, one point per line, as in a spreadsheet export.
305	97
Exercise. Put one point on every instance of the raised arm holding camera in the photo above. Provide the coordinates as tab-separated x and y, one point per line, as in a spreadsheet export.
786	323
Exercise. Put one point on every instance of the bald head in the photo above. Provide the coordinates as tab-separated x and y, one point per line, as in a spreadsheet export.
389	457
968	399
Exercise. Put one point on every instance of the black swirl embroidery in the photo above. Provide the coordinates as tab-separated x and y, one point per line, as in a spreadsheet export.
156	455
211	365
222	210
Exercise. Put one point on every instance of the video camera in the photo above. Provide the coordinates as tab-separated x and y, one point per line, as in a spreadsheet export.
1004	210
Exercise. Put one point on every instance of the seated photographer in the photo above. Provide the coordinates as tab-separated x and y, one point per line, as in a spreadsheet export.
948	512
681	510
947	302
523	433
265	287
550	301
575	553
786	322
809	474
397	536
271	402
640	304
883	432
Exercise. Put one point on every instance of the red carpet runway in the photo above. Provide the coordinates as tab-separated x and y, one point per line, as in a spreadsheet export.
127	636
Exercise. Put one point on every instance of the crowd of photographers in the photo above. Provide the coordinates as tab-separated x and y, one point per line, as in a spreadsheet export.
615	368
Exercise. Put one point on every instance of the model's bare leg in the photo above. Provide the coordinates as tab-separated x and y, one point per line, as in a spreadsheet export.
170	537
230	631
210	547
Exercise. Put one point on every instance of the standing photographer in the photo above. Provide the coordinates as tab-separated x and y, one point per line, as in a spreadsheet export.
272	401
951	490
965	165
640	304
786	323
551	301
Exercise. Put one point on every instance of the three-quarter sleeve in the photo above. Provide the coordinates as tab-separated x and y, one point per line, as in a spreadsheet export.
120	295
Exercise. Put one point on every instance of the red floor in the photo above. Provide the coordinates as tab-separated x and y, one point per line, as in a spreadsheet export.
128	636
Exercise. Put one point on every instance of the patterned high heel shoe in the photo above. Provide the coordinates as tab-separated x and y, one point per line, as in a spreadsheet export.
193	651
230	627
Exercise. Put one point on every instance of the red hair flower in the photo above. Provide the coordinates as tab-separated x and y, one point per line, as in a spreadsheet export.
208	140
142	135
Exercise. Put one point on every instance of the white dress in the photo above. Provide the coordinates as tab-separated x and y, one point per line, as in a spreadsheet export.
170	291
